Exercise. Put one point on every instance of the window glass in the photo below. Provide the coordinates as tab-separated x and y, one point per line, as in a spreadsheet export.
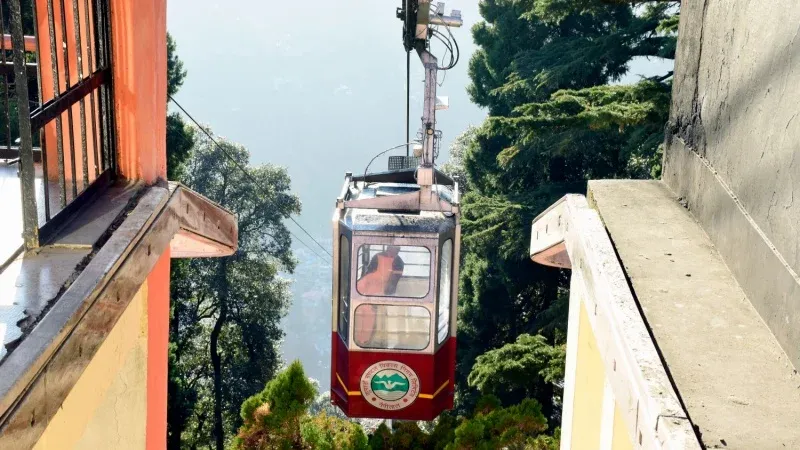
344	287
445	274
392	327
393	271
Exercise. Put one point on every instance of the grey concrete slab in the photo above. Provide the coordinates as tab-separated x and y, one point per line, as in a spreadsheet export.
29	284
738	386
93	219
770	283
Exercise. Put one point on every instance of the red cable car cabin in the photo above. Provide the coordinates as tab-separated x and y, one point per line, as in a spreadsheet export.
396	248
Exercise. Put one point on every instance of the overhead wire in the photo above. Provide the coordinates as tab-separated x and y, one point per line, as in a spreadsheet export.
450	44
250	176
455	44
448	48
449	41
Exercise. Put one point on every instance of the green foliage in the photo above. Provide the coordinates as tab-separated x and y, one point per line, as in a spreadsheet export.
381	438
625	124
545	442
529	49
326	432
542	69
175	71
405	435
409	435
454	167
225	327
526	368
444	431
518	426
180	137
180	140
271	418
9	123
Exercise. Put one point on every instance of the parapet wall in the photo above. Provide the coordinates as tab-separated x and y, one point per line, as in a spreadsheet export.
732	142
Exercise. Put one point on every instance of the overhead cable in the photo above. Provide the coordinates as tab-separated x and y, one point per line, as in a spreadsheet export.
248	175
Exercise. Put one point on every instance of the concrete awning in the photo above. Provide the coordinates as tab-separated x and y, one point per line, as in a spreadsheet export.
205	229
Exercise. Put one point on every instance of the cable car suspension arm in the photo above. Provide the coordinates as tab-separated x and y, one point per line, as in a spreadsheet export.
416	35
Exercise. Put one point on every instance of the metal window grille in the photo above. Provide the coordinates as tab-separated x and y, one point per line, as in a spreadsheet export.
63	106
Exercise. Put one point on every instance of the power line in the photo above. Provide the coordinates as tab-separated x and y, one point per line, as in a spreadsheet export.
306	245
248	175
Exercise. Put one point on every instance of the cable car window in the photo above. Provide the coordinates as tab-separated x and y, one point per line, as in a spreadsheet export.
344	287
443	310
392	327
393	271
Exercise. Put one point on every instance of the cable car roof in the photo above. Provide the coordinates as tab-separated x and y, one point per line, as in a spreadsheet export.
433	222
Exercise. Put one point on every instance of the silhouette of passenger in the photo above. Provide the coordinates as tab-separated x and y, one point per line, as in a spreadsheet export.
382	274
379	279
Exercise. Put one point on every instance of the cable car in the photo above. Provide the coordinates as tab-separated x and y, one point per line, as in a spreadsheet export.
396	253
396	241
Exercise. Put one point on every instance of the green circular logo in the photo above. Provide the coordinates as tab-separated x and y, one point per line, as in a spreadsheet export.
389	385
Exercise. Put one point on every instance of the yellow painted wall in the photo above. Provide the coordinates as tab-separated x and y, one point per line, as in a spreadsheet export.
621	440
587	413
107	407
589	387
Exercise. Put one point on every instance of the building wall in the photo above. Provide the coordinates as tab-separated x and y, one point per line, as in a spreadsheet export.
596	421
139	71
107	407
732	145
158	352
589	388
139	58
617	394
120	400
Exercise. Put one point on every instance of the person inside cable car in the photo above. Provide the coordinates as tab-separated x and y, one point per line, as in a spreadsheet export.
382	274
379	279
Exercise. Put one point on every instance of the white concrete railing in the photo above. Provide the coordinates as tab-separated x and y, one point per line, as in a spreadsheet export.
616	390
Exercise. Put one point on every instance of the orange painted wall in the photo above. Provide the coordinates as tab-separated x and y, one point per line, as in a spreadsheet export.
157	353
139	57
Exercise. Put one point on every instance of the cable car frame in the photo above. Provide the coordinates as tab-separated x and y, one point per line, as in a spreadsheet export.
391	209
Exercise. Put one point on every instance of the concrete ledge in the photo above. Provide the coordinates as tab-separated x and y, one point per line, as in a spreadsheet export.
637	380
738	387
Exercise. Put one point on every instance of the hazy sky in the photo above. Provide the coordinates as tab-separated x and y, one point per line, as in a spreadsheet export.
316	86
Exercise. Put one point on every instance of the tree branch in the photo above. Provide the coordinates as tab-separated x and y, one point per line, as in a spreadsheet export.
664	77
